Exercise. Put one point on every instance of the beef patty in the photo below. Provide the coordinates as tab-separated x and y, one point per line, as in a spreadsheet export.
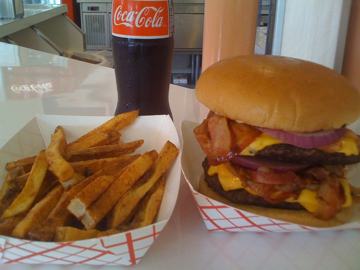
292	154
241	196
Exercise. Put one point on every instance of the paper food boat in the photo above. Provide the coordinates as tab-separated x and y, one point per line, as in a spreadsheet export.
219	216
118	249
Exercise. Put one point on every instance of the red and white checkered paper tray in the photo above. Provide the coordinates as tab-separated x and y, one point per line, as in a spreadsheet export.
219	216
119	249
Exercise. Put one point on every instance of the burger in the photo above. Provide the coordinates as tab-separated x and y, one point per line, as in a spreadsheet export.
276	139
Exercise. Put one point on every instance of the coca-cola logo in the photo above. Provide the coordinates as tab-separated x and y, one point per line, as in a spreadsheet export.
145	17
141	18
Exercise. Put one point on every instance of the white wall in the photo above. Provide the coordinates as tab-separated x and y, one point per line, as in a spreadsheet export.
313	30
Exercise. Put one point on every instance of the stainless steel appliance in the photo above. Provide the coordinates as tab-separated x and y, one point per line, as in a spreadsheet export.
11	9
95	22
189	23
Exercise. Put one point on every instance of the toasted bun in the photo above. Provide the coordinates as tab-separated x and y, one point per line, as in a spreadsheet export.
301	217
279	92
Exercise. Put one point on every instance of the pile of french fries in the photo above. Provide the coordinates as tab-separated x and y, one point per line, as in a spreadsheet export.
92	187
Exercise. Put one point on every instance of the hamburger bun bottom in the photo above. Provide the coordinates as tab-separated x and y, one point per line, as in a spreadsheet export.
300	217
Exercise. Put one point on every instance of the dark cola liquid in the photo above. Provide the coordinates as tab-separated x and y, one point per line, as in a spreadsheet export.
143	68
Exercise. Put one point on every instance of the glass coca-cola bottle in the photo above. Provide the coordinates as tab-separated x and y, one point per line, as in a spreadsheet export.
142	49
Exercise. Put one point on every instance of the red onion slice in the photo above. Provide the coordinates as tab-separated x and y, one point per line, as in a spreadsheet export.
306	140
254	163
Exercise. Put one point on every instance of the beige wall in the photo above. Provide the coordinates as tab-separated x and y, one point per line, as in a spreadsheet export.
229	29
351	65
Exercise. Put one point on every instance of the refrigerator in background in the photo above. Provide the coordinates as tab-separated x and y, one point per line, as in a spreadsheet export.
42	1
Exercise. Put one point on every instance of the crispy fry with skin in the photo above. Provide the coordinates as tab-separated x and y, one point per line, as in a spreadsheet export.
116	123
8	224
127	205
104	151
59	214
5	189
14	173
9	192
89	194
38	213
149	206
26	163
55	157
99	138
25	199
93	165
121	185
130	200
22	178
10	177
48	184
66	233
114	137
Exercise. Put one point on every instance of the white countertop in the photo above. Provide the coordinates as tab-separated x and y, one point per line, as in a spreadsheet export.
33	14
73	87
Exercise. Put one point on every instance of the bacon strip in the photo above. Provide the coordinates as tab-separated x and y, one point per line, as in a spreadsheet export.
331	197
203	137
220	135
243	135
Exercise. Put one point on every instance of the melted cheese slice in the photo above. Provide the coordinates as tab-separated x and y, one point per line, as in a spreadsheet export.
347	145
347	192
308	199
227	176
229	180
258	144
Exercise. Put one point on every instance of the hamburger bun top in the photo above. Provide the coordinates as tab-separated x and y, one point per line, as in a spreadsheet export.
279	92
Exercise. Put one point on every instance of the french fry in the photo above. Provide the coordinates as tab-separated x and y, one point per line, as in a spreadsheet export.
9	197
5	188
9	191
26	163
98	138
127	206
48	184
114	137
67	233
38	213
22	178
104	151
121	185
55	157
149	206
12	175
116	123
25	199
59	214
89	194
127	203
8	224
34	206
93	165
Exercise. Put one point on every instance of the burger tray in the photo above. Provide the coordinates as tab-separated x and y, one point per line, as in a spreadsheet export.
219	216
119	249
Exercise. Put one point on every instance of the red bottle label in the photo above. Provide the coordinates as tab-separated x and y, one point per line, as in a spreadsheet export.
146	19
